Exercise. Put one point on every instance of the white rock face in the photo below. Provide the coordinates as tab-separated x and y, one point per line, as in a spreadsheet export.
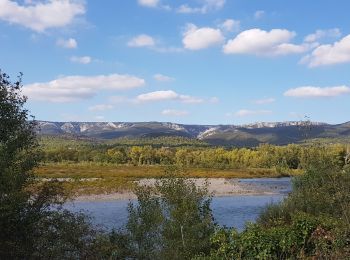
174	126
207	132
111	125
68	128
85	127
43	124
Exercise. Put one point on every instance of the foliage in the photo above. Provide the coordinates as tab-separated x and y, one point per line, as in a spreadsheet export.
32	224
281	158
312	222
303	237
171	220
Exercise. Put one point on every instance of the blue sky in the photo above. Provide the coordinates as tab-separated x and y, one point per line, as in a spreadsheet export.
195	62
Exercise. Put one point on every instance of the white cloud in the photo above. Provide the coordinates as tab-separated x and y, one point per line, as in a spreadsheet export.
81	60
154	4
158	96
73	88
207	6
230	25
149	3
316	92
259	14
40	16
319	34
200	38
163	78
329	54
246	112
174	112
264	101
68	43
146	41
101	107
142	40
186	9
264	43
164	95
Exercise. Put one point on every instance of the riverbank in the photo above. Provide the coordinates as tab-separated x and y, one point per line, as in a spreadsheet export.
111	181
218	187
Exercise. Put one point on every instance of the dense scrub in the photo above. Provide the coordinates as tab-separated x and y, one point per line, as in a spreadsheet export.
312	222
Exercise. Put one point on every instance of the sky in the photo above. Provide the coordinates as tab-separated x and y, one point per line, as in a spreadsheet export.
192	62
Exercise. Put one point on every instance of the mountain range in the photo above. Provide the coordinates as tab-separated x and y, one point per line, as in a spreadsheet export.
234	135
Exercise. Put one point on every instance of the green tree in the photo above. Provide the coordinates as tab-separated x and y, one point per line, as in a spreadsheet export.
171	220
29	225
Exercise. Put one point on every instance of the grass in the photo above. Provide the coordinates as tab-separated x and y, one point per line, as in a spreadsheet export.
116	178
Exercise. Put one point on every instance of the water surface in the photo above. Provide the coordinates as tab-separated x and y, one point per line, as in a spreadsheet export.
231	211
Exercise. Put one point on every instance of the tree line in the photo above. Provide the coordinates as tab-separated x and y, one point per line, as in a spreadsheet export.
291	156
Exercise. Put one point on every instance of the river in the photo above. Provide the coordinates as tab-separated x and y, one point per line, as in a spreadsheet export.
231	211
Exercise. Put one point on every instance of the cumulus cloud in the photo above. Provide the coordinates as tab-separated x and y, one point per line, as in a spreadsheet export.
329	54
230	25
81	60
200	38
164	95
264	101
317	92
101	107
207	6
154	4
149	3
163	78
174	112
264	43
40	16
74	88
319	34
246	112
67	43
142	40
259	14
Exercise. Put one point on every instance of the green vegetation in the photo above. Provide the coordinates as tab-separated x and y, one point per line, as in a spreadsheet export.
311	223
30	228
173	220
183	154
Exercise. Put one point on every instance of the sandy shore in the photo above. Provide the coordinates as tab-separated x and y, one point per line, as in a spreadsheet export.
216	186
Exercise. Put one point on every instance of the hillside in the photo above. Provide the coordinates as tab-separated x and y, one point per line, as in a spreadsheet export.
245	135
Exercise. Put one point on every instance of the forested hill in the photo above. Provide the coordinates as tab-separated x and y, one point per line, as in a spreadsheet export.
244	135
